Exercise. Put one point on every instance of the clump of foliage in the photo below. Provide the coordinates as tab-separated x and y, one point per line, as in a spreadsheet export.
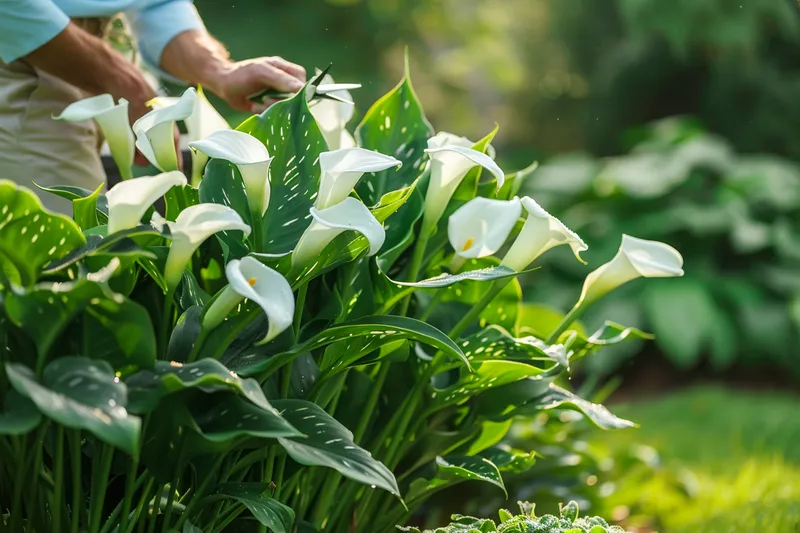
274	341
527	522
736	215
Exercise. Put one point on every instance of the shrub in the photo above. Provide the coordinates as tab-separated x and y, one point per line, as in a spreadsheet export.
249	348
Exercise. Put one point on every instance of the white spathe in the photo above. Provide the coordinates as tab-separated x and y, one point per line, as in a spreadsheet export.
194	225
636	258
251	158
155	131
249	278
450	163
341	170
481	226
327	224
541	232
113	122
203	121
332	116
129	200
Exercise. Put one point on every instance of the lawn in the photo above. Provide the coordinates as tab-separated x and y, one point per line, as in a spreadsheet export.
728	461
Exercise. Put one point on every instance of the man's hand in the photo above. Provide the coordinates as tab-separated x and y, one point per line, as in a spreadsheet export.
195	57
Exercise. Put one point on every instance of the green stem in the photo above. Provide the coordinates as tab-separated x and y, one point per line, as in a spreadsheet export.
173	484
437	298
130	489
16	504
151	528
298	309
256	238
566	322
58	462
416	262
99	484
120	508
201	490
372	401
74	440
236	510
166	324
197	346
143	500
325	499
467	320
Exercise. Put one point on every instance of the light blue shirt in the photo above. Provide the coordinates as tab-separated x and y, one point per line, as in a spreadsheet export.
25	25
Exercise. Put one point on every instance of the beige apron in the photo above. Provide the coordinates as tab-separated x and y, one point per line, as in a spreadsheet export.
36	148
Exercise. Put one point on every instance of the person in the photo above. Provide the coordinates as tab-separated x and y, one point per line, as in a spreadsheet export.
52	53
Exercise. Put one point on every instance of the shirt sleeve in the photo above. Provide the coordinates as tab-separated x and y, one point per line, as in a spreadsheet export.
27	25
158	23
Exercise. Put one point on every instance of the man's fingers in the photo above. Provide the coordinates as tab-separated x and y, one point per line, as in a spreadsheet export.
290	68
261	107
276	78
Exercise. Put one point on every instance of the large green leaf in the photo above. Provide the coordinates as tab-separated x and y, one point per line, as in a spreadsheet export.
508	459
84	210
556	397
293	139
453	470
19	415
97	242
30	236
361	336
71	192
395	125
148	387
224	417
81	393
496	343
489	375
269	512
445	280
222	184
329	443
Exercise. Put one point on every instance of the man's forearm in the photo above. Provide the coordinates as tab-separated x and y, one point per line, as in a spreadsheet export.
90	63
196	58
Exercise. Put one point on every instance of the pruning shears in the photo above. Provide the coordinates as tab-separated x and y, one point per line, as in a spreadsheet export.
315	88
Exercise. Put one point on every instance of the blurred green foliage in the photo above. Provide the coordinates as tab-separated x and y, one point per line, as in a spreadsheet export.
560	75
736	220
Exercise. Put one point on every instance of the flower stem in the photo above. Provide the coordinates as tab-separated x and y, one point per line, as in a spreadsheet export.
99	484
467	320
416	262
166	324
58	460
566	322
74	441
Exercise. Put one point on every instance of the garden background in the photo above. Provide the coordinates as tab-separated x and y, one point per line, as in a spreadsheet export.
673	121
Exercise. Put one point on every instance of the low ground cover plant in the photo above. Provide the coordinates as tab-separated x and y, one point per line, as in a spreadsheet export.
269	349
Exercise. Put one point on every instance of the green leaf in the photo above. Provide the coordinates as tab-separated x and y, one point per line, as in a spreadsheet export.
70	192
184	335
400	232
84	210
224	417
294	140
30	236
395	125
490	434
269	512
490	374
222	184
329	443
81	393
496	343
99	244
480	274
362	336
19	416
468	188
509	460
148	387
453	470
556	397
514	181
188	527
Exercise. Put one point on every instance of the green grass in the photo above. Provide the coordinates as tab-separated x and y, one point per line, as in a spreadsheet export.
728	462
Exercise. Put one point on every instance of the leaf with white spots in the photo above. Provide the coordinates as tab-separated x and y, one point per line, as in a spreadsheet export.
294	140
453	470
329	443
81	393
30	236
610	333
278	517
395	125
445	280
557	398
148	387
495	342
223	417
489	375
119	244
363	336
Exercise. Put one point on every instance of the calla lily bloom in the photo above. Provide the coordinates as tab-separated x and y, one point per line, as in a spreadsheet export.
113	122
203	121
327	224
332	116
481	226
541	232
341	170
155	131
449	165
636	258
249	278
251	158
128	200
193	226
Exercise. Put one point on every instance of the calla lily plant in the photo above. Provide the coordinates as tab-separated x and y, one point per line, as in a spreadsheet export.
155	131
129	200
480	227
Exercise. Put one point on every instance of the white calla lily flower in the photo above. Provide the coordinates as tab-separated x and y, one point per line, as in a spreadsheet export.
541	232
341	170
249	278
481	226
113	122
636	258
155	131
251	158
449	165
194	225
128	200
203	121
327	224
332	116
